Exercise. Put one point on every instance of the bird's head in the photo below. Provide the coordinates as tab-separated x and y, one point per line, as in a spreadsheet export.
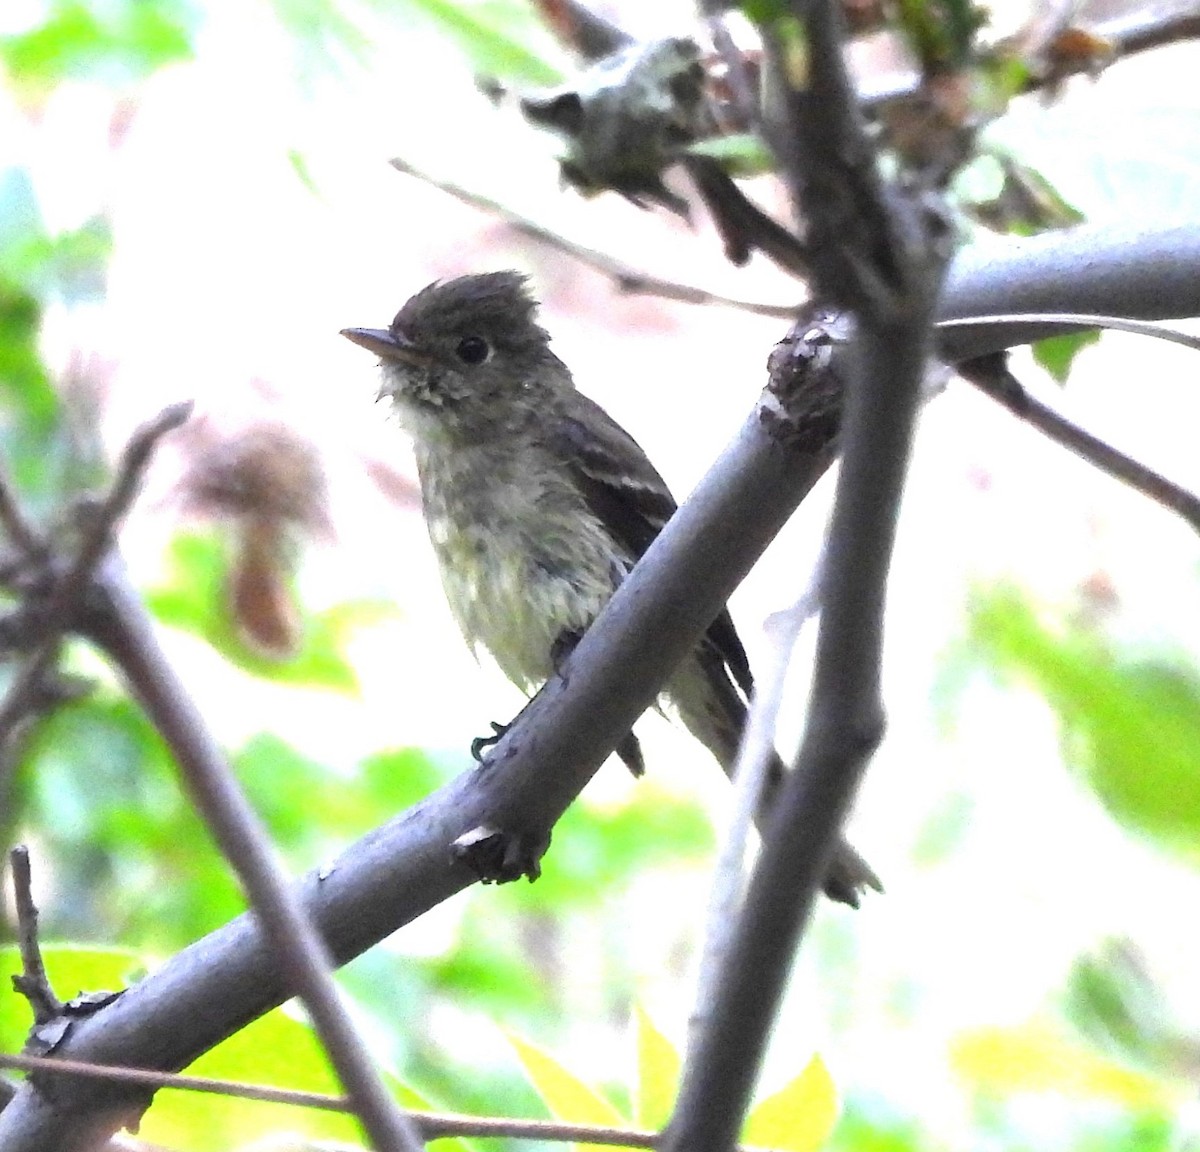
464	354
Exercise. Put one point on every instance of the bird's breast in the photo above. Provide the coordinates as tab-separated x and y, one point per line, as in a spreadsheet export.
523	560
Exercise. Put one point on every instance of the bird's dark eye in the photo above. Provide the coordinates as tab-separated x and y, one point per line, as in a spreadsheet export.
472	350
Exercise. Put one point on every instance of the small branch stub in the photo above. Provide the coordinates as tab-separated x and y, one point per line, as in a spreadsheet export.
806	389
499	857
52	1018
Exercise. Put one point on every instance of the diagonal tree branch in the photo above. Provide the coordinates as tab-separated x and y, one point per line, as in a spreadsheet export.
127	635
404	868
211	989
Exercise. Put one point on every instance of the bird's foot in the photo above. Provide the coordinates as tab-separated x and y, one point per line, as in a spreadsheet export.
482	743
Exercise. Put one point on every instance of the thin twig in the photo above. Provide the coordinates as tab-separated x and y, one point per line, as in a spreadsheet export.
145	1077
992	376
32	983
1094	266
432	1125
63	604
750	772
1074	322
127	634
624	276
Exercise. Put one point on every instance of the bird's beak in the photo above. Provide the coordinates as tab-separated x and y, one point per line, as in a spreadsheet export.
389	345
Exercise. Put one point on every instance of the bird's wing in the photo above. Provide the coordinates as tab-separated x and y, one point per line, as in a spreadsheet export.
626	493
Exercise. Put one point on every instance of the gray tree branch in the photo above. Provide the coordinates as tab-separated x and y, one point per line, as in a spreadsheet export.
879	250
404	868
120	624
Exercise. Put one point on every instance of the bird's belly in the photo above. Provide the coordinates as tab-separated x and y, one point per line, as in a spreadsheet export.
510	599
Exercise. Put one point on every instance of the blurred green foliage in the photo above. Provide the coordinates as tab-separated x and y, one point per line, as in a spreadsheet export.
117	43
1130	726
1114	1001
36	270
941	33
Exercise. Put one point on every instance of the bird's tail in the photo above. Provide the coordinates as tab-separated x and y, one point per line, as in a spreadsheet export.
712	710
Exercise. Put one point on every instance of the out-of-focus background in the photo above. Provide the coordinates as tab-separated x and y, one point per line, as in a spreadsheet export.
194	199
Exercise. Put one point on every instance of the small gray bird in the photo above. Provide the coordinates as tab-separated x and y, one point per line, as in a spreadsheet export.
538	503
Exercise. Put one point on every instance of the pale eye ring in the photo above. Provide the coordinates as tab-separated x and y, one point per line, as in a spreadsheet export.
473	350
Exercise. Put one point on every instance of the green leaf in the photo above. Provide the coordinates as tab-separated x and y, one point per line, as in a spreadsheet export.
31	411
99	787
1056	354
941	32
34	270
658	1074
501	39
71	267
763	12
740	154
275	1050
489	976
396	779
797	1118
871	1126
566	1096
1131	728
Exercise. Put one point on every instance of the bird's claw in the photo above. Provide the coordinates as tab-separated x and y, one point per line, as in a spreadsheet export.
482	743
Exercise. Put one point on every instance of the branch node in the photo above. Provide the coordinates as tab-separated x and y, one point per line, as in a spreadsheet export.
497	856
806	386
